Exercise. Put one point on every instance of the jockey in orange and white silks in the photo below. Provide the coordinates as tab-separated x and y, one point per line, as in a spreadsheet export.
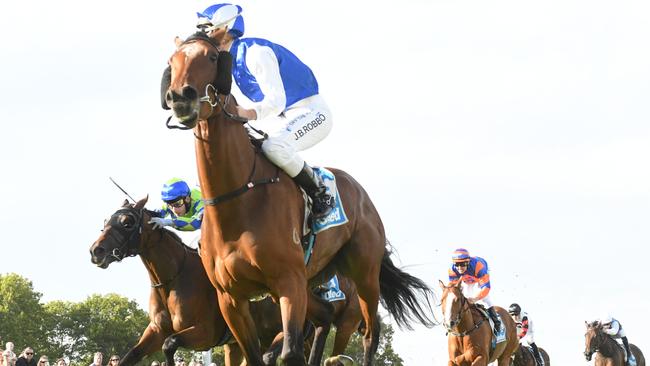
473	272
614	329
279	94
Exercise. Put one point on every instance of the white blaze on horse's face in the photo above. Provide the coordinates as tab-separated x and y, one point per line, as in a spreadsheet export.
449	303
192	50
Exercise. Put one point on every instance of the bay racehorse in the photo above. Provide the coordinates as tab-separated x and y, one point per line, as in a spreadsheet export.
524	356
183	305
608	351
469	332
254	218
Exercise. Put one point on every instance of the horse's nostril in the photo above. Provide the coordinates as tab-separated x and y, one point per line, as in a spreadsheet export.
189	93
98	252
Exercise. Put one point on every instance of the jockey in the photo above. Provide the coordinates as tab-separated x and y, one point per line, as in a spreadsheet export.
614	329
473	272
183	205
525	326
281	92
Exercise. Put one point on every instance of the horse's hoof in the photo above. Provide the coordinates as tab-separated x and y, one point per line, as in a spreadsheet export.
340	360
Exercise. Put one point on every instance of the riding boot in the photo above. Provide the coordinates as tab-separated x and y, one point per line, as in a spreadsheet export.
322	201
630	357
538	356
497	322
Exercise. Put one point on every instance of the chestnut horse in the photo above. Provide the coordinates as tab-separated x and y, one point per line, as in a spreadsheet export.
470	334
254	217
524	356
608	351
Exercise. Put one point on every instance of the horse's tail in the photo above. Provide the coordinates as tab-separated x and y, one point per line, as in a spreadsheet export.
407	298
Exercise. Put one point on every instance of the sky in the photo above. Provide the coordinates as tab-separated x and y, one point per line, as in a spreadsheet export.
518	130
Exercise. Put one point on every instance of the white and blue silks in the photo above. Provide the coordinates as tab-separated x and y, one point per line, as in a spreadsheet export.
283	91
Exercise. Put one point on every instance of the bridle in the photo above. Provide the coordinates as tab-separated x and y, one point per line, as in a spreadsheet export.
128	245
464	307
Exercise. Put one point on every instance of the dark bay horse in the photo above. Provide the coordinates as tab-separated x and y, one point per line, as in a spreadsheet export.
183	306
608	351
470	334
253	221
524	357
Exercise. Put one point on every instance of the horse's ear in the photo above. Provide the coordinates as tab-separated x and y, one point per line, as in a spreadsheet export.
459	283
140	204
442	284
125	203
178	41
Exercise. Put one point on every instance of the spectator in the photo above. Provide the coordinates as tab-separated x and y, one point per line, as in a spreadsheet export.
26	358
8	355
61	362
114	360
43	361
97	359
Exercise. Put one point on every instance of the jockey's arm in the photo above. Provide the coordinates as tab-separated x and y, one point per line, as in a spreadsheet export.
453	277
483	281
524	327
263	64
613	328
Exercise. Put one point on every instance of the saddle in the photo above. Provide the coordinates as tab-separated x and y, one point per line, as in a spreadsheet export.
496	337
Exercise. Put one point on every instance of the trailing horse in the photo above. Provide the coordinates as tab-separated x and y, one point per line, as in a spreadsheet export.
254	219
470	336
608	351
524	356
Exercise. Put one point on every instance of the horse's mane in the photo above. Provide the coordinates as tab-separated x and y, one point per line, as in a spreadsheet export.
180	241
174	236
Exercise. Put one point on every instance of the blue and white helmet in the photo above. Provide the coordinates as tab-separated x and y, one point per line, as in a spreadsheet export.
174	189
222	15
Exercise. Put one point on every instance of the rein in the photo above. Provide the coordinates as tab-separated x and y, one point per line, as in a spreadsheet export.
207	98
180	268
463	309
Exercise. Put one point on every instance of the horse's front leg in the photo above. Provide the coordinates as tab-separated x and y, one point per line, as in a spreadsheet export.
195	337
292	291
150	342
232	354
237	314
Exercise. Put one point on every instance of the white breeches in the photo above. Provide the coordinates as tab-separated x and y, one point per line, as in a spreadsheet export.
472	290
528	338
299	127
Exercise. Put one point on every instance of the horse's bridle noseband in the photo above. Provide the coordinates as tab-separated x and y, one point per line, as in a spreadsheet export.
464	306
126	248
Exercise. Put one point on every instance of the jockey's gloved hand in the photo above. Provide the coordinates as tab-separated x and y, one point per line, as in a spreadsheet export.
159	222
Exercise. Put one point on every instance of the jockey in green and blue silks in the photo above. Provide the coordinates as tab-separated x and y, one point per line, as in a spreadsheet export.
182	208
273	86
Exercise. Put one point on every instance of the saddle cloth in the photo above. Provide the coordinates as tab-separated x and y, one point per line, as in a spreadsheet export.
331	291
496	337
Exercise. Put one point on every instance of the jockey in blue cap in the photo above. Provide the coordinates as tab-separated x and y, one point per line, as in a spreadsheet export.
277	89
183	205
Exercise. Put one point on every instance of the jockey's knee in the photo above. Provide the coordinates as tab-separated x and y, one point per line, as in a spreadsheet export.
283	155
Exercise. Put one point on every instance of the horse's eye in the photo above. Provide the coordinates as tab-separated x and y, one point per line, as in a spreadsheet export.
214	57
126	221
